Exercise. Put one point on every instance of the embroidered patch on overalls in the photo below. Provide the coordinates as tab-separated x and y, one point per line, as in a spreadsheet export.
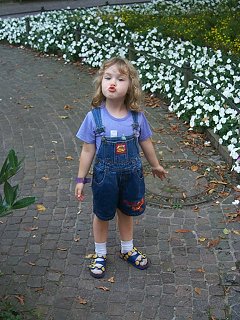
136	206
121	148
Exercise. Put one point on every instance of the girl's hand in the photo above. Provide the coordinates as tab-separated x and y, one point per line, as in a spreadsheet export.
160	172
79	191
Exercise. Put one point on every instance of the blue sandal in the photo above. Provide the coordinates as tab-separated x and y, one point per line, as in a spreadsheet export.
97	267
136	257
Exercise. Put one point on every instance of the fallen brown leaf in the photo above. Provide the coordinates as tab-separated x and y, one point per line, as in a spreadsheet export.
81	300
233	217
201	176
210	191
69	158
28	107
31	228
103	288
175	127
158	130
40	208
198	290
45	178
223	194
39	289
213	243
202	239
236	232
112	280
20	299
236	189
194	168
218	182
67	107
196	208
183	230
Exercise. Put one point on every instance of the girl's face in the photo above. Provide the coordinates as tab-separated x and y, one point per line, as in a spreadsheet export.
115	84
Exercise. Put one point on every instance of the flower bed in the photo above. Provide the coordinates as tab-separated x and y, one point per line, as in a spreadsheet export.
100	38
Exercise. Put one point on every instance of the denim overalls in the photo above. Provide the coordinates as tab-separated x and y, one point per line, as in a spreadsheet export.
118	180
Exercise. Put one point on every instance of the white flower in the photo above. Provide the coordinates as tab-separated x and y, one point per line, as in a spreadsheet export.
236	100
198	111
192	121
236	168
223	120
207	143
236	202
215	118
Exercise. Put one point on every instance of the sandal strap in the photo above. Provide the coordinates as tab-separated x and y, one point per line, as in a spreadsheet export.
98	263
134	258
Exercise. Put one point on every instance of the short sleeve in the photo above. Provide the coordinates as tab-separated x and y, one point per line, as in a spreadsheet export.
86	132
145	130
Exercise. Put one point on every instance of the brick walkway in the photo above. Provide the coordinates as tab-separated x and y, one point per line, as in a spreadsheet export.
194	274
18	7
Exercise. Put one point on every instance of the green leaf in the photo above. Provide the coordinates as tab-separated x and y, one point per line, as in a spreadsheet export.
25	202
3	209
13	161
10	167
15	192
9	193
3	171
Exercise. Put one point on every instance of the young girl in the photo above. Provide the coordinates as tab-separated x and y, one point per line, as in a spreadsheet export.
113	130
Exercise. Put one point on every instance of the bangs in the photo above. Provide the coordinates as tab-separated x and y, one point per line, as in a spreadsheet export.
122	67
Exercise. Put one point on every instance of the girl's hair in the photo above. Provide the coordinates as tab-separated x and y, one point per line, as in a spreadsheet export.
133	97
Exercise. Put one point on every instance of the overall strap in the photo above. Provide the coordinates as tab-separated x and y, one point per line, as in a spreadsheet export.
98	120
135	124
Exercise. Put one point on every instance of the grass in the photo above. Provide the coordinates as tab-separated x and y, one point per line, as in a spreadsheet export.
10	310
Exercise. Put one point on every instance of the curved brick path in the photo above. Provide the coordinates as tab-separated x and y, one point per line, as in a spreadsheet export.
43	253
11	8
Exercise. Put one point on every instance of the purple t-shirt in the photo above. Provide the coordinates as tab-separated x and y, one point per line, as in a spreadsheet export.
114	127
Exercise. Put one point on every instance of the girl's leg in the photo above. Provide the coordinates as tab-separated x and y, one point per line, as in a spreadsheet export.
100	232
125	226
135	257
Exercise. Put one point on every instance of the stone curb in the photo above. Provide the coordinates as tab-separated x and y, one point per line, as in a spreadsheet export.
214	139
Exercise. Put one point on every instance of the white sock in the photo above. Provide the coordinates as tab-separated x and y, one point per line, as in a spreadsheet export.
101	248
126	246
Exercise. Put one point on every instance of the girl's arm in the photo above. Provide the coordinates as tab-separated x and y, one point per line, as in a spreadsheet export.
86	159
149	152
